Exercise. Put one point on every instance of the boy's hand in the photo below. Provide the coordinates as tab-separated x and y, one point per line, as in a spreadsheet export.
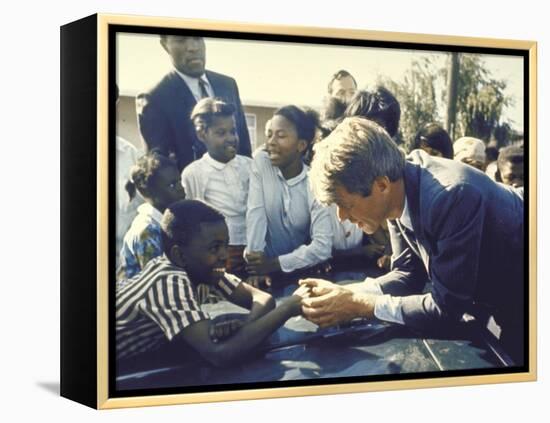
223	330
300	294
260	282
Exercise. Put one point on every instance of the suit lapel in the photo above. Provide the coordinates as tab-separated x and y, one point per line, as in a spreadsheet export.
181	89
412	191
220	87
214	83
409	238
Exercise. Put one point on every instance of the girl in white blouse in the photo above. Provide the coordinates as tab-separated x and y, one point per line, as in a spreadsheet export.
287	229
220	177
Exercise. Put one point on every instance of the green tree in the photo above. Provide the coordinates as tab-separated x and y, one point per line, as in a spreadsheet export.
480	100
417	97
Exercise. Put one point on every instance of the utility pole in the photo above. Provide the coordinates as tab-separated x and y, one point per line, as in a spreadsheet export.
452	91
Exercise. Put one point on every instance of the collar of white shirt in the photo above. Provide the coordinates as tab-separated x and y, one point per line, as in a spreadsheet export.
193	84
297	179
405	218
219	165
147	209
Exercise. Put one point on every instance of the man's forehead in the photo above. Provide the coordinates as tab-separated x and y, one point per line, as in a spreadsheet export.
344	81
342	196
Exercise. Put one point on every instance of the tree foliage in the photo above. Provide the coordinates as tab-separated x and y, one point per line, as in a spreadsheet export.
417	97
480	99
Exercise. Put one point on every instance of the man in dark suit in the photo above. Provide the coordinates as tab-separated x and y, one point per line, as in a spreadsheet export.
164	112
449	224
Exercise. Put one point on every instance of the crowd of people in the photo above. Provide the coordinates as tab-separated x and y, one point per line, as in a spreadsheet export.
329	197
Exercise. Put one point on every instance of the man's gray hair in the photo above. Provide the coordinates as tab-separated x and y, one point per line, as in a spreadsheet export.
353	156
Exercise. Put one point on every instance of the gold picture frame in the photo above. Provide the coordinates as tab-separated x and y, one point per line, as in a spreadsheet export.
88	70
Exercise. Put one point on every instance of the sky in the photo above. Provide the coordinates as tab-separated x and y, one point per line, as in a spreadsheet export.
278	73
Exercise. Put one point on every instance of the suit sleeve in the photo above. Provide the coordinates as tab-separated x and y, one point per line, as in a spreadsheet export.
455	223
153	125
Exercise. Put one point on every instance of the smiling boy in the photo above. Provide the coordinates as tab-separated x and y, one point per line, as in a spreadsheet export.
159	307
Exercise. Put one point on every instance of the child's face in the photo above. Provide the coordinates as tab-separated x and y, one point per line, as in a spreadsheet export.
166	188
221	138
283	145
206	254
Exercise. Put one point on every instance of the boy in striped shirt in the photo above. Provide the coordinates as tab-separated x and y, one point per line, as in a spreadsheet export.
159	308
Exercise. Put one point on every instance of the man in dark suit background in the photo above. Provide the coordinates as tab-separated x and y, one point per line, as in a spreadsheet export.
164	112
449	224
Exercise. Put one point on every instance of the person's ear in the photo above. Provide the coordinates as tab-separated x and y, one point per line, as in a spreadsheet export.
177	256
382	184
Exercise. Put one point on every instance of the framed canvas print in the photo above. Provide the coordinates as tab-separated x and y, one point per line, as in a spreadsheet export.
253	211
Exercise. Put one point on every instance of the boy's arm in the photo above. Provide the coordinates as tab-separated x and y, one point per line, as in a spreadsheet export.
253	299
246	339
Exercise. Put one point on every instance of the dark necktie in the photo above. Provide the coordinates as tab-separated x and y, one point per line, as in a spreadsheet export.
202	87
409	237
198	147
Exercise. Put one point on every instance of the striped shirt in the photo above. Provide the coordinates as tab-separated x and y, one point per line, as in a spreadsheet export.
156	305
